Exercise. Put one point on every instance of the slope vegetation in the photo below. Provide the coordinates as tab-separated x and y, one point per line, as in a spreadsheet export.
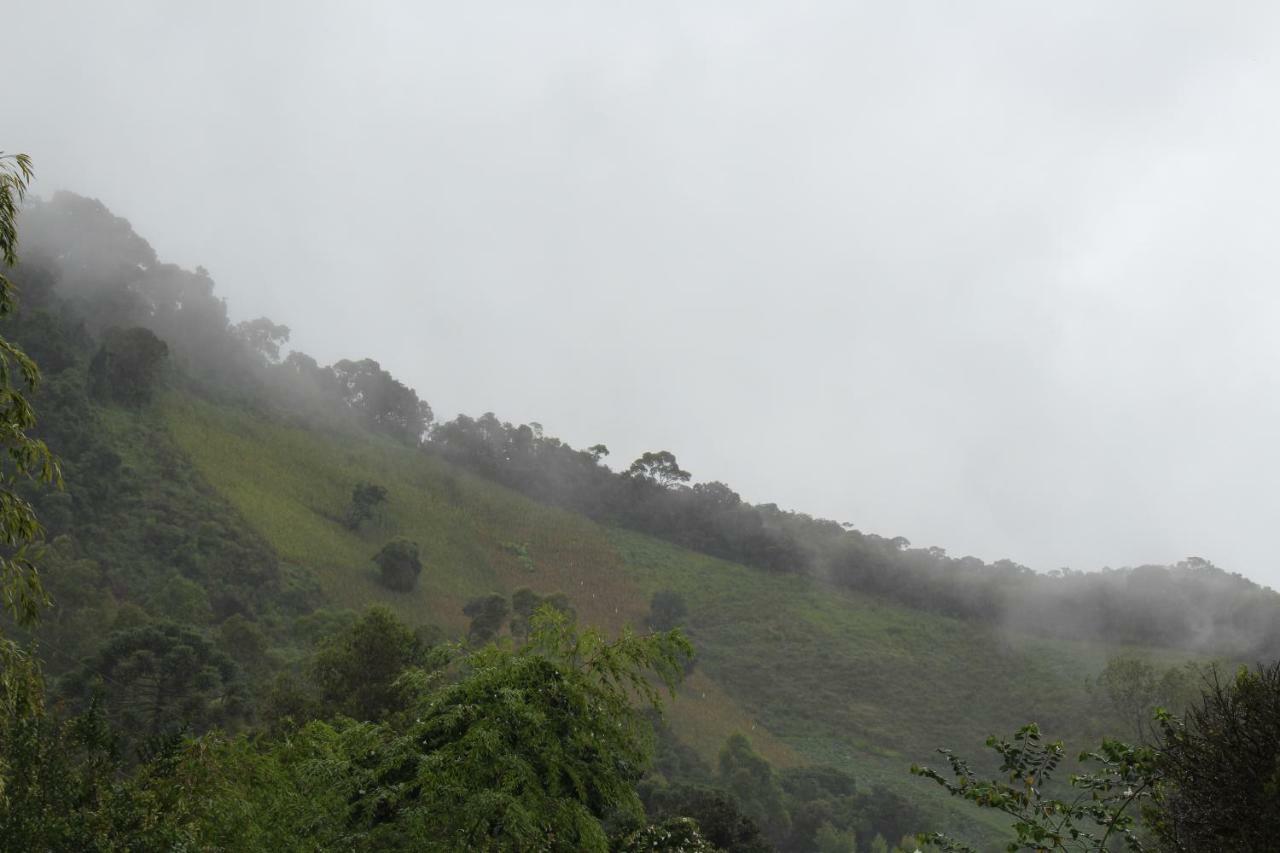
811	672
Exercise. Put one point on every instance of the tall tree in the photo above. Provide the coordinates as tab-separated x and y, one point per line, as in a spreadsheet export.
526	750
749	777
386	404
658	468
27	457
160	677
357	669
24	459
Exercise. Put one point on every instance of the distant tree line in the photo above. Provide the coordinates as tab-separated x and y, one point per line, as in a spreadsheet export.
1192	604
109	280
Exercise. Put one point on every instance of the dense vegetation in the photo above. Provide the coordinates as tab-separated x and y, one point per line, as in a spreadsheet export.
214	678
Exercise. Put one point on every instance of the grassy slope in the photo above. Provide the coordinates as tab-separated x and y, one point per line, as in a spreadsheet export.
810	672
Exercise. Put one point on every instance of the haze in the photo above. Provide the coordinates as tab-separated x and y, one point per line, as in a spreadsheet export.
998	278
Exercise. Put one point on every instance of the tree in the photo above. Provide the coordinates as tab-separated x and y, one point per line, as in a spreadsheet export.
263	338
399	564
667	610
357	670
718	817
386	404
161	677
1221	766
716	496
658	468
828	839
71	790
525	602
1133	690
746	775
365	498
487	613
24	457
126	368
1107	807
525	750
1129	687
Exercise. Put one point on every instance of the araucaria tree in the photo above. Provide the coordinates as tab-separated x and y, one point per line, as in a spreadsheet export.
161	677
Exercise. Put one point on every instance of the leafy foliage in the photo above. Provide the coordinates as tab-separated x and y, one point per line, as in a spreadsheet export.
677	835
386	404
399	564
658	468
525	603
716	813
1107	805
1221	767
357	670
750	780
1133	689
70	789
160	678
532	748
365	499
506	750
24	457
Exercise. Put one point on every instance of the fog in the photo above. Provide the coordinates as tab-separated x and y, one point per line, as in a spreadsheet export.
997	278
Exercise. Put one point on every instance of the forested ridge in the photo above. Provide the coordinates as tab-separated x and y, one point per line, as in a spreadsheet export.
214	676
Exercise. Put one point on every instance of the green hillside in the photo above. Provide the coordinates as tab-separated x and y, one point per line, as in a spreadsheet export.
812	673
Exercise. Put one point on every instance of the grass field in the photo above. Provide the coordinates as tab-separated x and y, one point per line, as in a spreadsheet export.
810	672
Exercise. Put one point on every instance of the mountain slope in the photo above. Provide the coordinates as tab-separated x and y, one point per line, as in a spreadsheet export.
811	672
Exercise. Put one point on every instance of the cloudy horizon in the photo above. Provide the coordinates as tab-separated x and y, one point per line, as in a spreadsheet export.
999	279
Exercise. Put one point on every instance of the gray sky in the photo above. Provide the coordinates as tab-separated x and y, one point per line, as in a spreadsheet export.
997	277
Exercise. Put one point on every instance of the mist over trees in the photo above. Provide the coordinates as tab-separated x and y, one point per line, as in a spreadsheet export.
88	265
1192	604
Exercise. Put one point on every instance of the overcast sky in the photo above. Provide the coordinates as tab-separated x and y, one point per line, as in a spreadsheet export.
998	277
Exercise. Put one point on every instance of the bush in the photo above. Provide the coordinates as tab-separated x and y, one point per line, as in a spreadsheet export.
1221	767
399	565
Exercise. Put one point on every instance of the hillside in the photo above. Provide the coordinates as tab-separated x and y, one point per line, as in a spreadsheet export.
811	672
207	517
